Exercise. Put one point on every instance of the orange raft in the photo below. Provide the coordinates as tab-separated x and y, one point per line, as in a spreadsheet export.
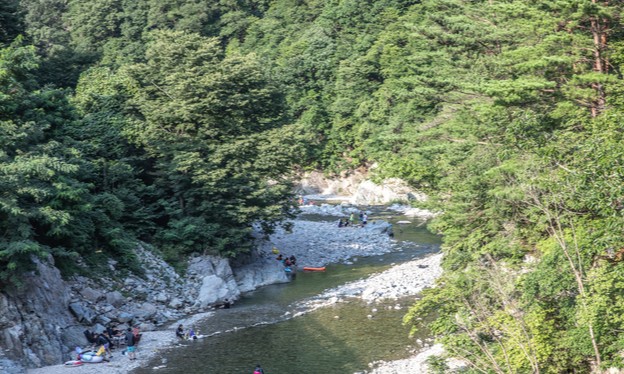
308	268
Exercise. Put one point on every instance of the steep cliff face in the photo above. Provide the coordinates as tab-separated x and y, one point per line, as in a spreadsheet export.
36	325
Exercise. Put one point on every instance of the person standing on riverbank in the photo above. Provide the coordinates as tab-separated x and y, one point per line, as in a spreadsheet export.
130	344
352	219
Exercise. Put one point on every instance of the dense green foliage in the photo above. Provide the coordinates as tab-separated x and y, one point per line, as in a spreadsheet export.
177	143
178	122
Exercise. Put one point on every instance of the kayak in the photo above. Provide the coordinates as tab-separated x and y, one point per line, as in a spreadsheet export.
73	363
307	268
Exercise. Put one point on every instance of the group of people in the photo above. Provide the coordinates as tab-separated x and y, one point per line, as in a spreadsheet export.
104	340
344	222
185	335
289	263
111	338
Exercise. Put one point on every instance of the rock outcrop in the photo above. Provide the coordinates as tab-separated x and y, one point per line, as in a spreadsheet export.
388	191
35	322
263	272
357	188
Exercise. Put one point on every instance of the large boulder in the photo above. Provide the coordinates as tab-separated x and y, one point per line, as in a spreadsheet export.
146	311
390	190
214	279
209	265
260	273
91	295
115	299
215	289
82	312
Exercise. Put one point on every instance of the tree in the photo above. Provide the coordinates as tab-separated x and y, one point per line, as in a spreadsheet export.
10	22
212	124
37	185
521	200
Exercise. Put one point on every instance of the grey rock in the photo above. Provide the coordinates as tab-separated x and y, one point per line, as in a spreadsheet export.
41	308
103	320
176	303
11	367
263	273
124	317
82	312
161	297
146	311
115	298
90	294
215	289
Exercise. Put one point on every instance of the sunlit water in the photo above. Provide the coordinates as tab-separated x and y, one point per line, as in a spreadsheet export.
342	338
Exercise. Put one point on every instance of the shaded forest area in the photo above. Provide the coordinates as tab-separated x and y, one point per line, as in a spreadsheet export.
179	122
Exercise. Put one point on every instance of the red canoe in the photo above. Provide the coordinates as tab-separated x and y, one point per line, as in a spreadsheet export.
307	268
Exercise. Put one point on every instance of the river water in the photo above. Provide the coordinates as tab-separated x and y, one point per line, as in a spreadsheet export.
273	327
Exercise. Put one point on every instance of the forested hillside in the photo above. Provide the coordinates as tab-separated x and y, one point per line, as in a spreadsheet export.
178	122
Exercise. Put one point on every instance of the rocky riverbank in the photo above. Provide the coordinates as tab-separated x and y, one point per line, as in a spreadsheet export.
152	343
322	243
402	280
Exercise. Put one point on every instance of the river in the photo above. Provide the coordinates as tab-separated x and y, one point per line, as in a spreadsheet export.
273	327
